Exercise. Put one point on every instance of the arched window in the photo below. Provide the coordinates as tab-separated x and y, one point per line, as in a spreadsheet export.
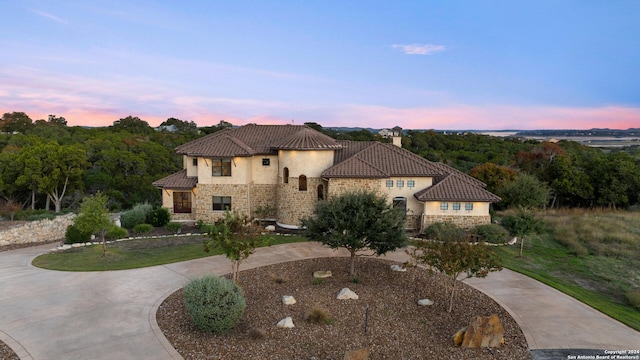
400	203
302	183
285	175
320	192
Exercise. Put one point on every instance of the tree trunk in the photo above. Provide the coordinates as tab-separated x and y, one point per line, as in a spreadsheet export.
104	244
453	293
33	199
521	245
352	267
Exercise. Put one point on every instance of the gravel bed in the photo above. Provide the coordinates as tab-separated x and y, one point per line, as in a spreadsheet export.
6	353
397	327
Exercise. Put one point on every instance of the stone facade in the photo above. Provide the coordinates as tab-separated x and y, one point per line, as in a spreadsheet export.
294	204
463	221
265	196
37	231
203	204
340	186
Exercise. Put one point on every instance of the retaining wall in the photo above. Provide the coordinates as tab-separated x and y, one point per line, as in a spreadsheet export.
36	231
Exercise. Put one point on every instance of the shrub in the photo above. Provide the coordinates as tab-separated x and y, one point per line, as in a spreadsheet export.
491	233
158	217
73	235
208	229
174	227
633	296
146	208
215	304
130	218
317	315
38	217
116	232
142	228
445	231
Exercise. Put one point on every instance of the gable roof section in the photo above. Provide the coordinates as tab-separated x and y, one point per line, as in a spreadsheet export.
252	139
454	187
178	181
378	160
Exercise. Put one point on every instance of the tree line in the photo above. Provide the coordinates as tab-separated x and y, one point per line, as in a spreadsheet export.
46	164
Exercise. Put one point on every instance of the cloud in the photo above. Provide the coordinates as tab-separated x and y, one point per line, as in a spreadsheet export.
420	49
49	16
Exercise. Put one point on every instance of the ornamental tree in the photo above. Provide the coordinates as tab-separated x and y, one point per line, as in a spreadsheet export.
455	257
93	217
357	221
237	238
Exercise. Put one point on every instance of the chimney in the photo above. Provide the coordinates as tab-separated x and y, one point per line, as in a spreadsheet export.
397	136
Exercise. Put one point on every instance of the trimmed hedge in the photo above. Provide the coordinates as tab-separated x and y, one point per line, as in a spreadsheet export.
158	217
142	228
72	235
215	304
491	233
116	232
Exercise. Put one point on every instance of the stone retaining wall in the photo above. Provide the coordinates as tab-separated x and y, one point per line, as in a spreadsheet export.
37	231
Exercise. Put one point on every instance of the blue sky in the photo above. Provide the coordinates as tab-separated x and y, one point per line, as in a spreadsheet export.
417	64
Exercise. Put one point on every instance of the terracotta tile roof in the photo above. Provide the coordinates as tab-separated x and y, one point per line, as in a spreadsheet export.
254	139
378	160
307	139
178	181
454	187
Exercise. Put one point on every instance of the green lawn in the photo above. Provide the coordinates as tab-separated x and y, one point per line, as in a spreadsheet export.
133	254
595	269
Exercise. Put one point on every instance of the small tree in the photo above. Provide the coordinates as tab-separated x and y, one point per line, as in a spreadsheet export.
523	223
237	238
454	257
94	217
10	207
357	221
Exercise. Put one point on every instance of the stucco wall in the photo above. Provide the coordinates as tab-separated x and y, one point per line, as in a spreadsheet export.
308	163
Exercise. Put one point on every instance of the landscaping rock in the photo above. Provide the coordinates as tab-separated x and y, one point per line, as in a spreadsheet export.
395	267
270	228
484	332
346	294
360	354
286	323
425	302
288	300
459	336
322	274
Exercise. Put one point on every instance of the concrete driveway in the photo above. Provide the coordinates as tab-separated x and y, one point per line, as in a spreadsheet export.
111	315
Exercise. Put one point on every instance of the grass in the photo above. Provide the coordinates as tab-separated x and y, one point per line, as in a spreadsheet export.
133	254
593	256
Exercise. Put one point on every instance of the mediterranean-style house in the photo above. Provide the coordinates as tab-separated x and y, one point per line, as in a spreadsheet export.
288	169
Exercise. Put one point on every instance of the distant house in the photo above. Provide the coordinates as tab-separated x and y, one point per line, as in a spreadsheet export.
290	168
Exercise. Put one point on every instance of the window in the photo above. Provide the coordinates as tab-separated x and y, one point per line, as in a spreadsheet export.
195	162
400	203
221	167
266	162
411	183
389	183
400	183
285	175
302	183
444	206
222	203
456	206
320	192
468	206
181	202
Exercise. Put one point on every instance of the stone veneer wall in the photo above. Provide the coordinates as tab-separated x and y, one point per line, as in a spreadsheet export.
339	186
264	195
37	231
465	222
203	204
294	204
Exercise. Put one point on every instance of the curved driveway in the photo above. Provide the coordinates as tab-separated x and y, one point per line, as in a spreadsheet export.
111	315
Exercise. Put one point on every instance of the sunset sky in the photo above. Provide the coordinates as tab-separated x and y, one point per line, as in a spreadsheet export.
449	65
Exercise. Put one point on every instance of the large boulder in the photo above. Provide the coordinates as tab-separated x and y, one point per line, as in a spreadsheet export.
484	332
